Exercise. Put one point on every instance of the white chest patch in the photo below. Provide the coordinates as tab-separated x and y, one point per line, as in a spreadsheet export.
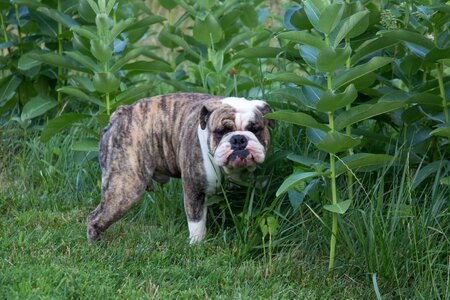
212	171
245	110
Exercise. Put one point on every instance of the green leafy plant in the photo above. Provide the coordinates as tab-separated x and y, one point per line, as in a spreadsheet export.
213	52
100	65
336	80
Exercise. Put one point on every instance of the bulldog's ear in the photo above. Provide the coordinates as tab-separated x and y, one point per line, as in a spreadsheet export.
206	111
265	109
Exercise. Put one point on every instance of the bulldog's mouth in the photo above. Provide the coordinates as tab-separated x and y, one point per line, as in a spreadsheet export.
241	158
241	150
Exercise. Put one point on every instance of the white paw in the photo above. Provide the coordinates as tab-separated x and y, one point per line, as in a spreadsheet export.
197	231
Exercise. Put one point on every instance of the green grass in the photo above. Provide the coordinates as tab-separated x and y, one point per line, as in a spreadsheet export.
47	192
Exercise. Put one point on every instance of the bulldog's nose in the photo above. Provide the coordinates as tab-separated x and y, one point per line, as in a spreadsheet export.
238	142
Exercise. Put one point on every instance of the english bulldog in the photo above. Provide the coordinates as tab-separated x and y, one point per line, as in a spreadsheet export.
196	137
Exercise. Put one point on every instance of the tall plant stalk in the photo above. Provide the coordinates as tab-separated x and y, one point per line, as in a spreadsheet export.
440	72
334	227
60	69
348	131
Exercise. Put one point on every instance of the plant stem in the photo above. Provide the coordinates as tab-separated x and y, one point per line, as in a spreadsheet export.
440	71
5	35
60	70
334	227
19	31
348	131
108	108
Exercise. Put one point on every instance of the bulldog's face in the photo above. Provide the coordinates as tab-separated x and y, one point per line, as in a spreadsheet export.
238	135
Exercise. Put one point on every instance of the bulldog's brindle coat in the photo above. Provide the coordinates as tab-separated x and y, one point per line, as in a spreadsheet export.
191	136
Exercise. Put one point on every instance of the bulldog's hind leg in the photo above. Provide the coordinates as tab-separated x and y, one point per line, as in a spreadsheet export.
119	193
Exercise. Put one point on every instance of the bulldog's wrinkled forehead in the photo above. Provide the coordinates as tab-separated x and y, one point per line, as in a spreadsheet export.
245	110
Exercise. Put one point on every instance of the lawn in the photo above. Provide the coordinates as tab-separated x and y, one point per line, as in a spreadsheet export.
44	251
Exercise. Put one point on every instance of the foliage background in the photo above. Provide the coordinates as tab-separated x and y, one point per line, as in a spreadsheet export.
365	83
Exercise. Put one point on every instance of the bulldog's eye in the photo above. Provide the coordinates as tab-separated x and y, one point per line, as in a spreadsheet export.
220	133
256	130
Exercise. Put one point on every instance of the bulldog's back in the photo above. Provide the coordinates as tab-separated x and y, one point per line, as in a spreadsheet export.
151	129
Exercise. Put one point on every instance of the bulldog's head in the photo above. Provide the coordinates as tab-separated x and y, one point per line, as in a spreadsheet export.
238	135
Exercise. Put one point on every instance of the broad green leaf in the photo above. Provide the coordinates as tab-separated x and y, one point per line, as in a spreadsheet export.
272	225
177	40
338	208
207	31
311	95
103	22
76	92
437	54
84	83
86	145
101	51
364	112
295	18
330	17
293	78
94	6
421	45
129	56
206	4
59	123
148	67
121	26
371	46
105	82
147	21
249	16
37	106
330	59
58	16
296	198
443	130
85	32
309	55
9	87
335	142
188	8
294	179
86	11
330	102
297	118
362	162
356	72
259	52
313	9
26	62
238	39
57	60
315	135
445	181
429	169
85	60
307	161
130	95
80	43
109	6
410	98
304	38
358	21
264	228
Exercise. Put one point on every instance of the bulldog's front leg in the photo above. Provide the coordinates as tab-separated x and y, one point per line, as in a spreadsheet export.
195	208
